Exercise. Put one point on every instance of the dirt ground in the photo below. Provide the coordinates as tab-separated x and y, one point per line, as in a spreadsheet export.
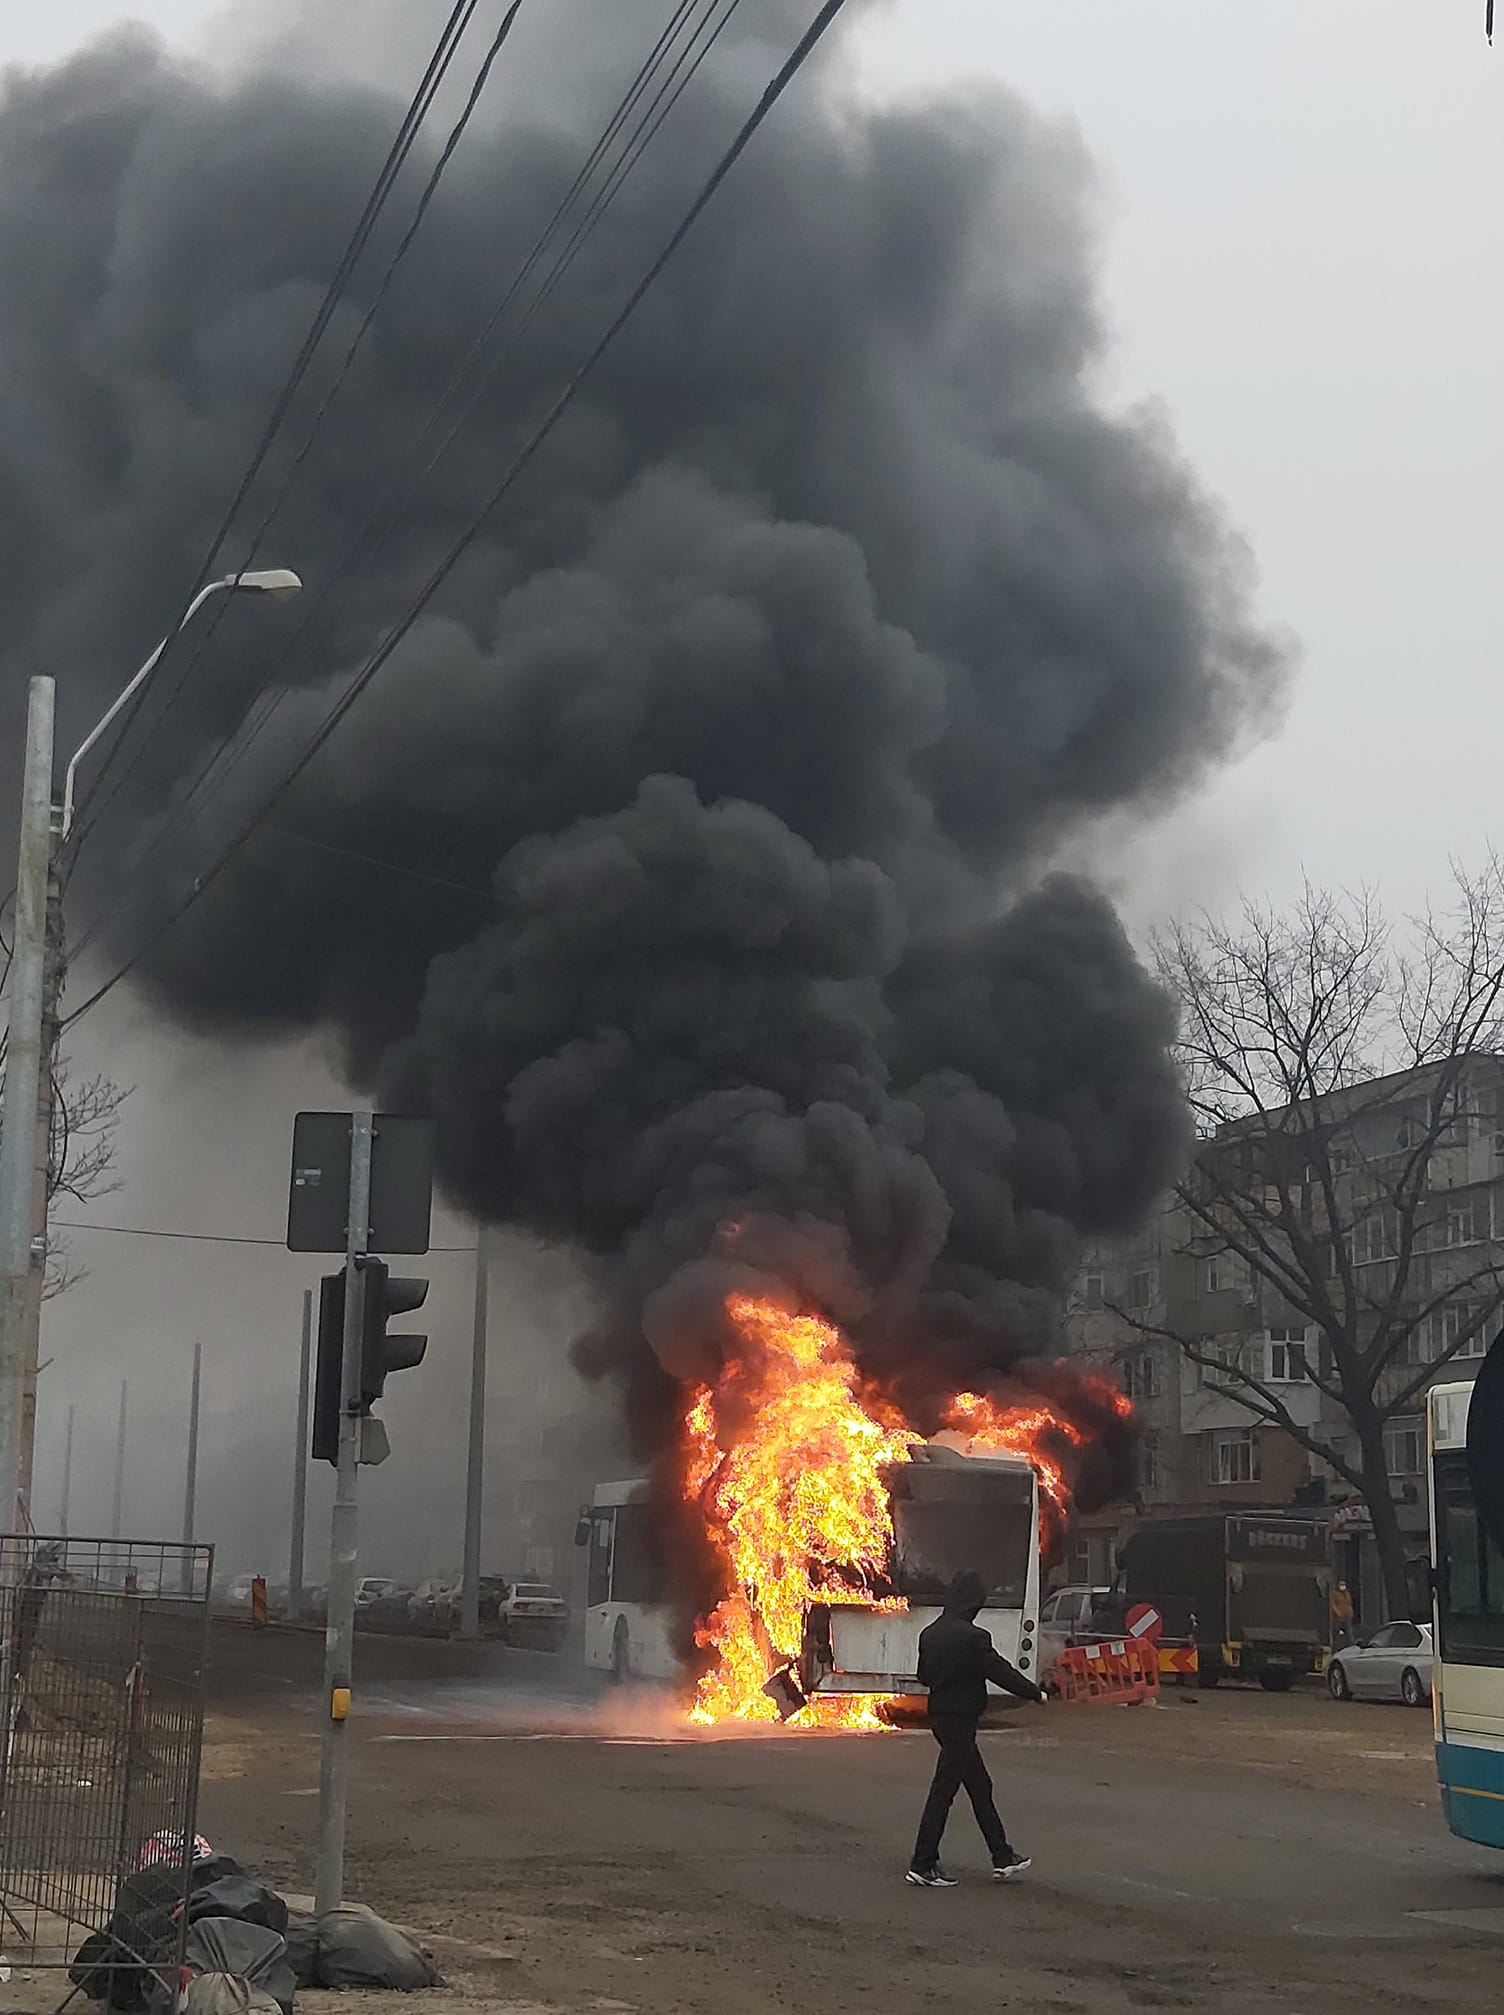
563	1853
1232	1851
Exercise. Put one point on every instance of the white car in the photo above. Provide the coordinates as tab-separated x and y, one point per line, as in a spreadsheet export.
1065	1613
530	1612
1394	1664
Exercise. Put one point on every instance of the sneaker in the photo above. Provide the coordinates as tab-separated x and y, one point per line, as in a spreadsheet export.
931	1878
1008	1871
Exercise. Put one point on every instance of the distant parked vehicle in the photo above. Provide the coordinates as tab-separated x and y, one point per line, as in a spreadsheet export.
1065	1617
1393	1664
373	1588
530	1612
434	1608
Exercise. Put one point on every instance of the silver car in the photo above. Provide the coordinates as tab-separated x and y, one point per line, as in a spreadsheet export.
1394	1664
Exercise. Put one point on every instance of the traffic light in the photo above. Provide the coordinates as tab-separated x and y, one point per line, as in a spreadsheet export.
387	1295
326	1378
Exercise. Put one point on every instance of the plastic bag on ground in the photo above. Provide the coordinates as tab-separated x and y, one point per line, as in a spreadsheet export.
226	1994
302	1935
359	1949
249	1952
238	1895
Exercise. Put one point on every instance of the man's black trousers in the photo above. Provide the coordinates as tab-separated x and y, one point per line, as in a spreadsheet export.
960	1763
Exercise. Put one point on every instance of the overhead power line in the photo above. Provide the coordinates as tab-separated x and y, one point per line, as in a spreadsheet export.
520	462
198	1237
402	144
281	676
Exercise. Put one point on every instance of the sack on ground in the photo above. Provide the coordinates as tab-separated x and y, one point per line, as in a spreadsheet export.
226	1994
359	1949
302	1935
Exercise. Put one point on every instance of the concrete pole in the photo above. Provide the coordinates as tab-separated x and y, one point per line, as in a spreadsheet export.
339	1638
53	967
190	1477
18	1114
300	1469
62	1522
476	1465
119	1464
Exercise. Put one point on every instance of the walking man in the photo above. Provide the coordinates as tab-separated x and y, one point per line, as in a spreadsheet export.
956	1660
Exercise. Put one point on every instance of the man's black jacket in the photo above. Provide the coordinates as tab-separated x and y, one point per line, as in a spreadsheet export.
957	1657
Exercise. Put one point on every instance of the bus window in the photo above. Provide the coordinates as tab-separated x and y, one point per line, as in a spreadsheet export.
599	1577
949	1519
635	1571
1470	1595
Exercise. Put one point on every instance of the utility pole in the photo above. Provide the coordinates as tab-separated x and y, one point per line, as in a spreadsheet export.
119	1465
62	1522
476	1465
54	968
190	1479
300	1470
19	1114
339	1641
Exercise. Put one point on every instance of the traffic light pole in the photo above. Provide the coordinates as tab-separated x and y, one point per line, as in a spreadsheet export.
329	1877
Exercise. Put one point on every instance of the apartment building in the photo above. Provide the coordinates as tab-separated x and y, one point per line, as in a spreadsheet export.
1202	1445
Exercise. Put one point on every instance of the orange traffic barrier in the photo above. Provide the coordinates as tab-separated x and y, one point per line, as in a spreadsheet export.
1178	1661
1120	1670
258	1601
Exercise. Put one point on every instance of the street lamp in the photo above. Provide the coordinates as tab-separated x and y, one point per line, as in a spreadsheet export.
279	583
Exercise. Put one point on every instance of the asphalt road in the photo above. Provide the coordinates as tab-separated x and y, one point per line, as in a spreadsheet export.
1232	1851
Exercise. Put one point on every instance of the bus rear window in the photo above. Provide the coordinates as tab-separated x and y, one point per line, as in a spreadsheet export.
953	1520
1470	1595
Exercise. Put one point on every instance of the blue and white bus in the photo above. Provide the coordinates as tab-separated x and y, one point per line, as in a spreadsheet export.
1467	1579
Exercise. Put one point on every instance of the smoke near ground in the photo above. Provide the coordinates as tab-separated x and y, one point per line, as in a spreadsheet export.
732	757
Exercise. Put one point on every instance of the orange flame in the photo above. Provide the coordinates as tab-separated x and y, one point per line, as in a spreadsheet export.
784	1458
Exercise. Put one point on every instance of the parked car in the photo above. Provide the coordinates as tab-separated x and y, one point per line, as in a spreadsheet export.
1064	1618
373	1588
530	1612
1393	1664
435	1607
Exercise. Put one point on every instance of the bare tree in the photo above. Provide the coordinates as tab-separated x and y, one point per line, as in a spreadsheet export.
1339	1069
81	1157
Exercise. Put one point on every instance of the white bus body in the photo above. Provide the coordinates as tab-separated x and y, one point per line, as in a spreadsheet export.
1467	1673
952	1512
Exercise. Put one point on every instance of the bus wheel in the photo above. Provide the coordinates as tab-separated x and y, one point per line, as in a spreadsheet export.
1274	1679
621	1653
1411	1691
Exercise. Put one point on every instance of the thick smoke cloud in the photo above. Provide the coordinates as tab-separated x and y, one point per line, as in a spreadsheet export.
729	763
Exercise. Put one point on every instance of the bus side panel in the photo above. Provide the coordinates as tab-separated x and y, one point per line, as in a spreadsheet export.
1472	1791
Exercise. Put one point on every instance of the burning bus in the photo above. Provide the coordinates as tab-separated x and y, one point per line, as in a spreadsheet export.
836	1527
858	1649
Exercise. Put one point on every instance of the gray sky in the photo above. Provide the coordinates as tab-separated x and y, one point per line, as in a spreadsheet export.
1300	258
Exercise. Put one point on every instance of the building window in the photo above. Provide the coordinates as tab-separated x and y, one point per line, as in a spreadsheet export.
1288	1362
1374	1237
1235	1456
1091	1290
1437	1334
1468	1219
1225	1273
1148	1462
1141	1375
1141	1287
1226	1359
1405	1447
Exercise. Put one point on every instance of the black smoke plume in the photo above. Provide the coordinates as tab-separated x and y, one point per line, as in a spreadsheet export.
728	767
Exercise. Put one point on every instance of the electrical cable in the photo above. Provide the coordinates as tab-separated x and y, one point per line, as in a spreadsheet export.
265	701
521	461
402	145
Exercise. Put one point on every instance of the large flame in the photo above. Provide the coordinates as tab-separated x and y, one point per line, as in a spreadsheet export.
784	1458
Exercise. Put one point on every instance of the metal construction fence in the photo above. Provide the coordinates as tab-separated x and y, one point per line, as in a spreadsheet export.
103	1653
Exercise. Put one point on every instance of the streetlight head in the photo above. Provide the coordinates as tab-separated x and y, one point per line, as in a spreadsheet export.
281	583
